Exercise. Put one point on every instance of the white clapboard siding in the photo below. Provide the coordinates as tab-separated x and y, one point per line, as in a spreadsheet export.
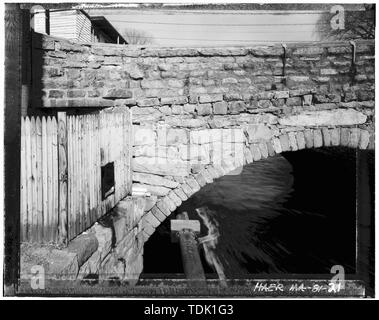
63	24
83	27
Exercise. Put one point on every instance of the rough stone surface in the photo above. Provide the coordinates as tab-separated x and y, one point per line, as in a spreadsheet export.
337	117
154	179
258	132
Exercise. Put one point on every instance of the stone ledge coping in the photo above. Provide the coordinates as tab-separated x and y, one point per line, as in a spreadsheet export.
49	43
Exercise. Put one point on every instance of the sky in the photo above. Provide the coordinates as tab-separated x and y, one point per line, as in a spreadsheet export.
215	28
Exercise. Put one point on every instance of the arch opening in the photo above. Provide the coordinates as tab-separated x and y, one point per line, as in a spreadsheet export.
297	212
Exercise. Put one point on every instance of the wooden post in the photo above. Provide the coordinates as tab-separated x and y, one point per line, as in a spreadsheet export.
193	268
12	131
62	178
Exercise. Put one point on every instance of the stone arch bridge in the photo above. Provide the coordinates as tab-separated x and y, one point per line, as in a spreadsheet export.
200	113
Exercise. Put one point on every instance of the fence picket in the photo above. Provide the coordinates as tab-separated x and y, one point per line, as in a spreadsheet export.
60	178
50	185
23	186
44	180
55	214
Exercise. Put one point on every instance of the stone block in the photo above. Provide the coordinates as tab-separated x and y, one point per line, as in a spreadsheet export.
309	138
174	198
149	203
326	137
284	141
181	194
263	149
345	137
256	153
161	166
354	137
150	218
220	107
200	179
335	137
187	189
204	109
154	179
118	94
236	107
162	206
83	246
177	136
364	139
248	156
207	176
292	141
174	100
148	102
336	117
300	138
294	101
144	136
270	148
281	94
154	190
210	98
258	132
170	204
317	138
158	213
213	173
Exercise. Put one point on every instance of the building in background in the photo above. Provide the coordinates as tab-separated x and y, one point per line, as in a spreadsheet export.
76	25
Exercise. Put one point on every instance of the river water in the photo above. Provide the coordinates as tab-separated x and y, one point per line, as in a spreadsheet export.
286	214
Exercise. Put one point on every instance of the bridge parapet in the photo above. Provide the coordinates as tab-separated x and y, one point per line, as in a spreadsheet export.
159	82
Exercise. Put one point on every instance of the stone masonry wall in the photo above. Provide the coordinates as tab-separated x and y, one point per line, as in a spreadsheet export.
201	113
160	82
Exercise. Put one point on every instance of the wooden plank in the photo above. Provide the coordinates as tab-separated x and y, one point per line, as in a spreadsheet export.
88	173
44	181
129	154
50	191
69	179
29	176
102	157
55	180
62	176
75	175
80	175
98	167
93	172
83	179
90	167
85	166
72	178
34	220
23	186
39	180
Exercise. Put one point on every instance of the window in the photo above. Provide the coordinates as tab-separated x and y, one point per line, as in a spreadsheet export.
107	180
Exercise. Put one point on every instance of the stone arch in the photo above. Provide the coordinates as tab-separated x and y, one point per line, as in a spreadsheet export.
352	137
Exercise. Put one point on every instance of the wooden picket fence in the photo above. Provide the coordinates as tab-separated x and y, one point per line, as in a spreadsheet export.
61	175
